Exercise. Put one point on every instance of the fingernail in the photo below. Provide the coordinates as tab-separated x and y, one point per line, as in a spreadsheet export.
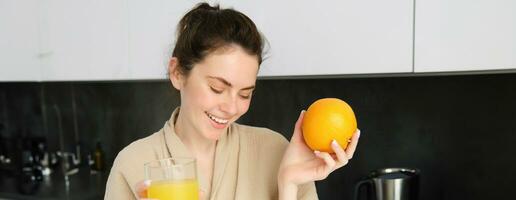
302	111
147	182
335	144
317	152
358	133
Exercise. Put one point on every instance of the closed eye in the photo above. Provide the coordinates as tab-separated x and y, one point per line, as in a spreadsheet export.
246	96
215	90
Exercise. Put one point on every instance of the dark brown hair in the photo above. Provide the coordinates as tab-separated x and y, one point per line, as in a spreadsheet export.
206	28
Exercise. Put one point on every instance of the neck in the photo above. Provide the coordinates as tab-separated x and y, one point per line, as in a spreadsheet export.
198	145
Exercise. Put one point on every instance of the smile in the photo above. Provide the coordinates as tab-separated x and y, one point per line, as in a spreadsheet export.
216	119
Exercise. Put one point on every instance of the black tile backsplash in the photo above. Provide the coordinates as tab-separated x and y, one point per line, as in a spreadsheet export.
459	130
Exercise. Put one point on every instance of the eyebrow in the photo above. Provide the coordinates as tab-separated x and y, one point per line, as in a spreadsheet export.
228	83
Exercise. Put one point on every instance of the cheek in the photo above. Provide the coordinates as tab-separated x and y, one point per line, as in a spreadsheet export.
244	106
196	96
204	98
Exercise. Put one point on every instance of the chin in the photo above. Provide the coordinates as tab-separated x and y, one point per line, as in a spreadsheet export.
215	135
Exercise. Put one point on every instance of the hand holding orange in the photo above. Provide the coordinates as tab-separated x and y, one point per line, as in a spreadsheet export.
326	120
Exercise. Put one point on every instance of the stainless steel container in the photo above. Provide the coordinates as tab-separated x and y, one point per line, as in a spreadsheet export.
390	184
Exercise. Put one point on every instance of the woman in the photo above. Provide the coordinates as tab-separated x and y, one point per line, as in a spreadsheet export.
214	66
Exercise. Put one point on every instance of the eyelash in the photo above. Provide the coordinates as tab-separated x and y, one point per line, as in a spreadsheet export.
246	97
216	91
220	92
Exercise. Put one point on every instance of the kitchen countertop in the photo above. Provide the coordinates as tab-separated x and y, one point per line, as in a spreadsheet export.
82	186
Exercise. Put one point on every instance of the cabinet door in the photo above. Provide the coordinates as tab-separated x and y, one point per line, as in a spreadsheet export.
333	37
84	40
19	40
152	26
462	35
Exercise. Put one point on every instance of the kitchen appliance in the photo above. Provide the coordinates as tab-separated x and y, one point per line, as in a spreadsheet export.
390	184
30	176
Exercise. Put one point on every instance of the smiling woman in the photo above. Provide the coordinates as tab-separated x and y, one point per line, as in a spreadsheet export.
214	67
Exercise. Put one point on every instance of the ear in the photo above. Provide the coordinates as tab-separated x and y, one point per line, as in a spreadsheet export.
174	74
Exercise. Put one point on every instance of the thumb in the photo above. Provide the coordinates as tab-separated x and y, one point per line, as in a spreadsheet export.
297	136
141	188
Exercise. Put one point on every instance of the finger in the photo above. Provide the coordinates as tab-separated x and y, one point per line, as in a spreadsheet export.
201	194
342	157
297	135
350	150
328	160
141	188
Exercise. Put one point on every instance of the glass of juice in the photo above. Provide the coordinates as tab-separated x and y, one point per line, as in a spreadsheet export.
172	179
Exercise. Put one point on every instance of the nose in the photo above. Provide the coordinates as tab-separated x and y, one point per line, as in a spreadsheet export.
230	105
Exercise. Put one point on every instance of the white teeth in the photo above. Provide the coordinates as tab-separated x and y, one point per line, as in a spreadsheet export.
218	120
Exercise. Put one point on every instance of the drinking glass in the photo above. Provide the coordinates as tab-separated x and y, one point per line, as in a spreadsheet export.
172	179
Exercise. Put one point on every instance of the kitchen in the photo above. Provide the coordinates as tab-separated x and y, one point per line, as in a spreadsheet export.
431	82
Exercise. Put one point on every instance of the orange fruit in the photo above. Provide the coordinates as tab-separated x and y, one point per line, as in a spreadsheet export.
328	119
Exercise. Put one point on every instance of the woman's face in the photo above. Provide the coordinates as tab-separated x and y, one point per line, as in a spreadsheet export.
218	90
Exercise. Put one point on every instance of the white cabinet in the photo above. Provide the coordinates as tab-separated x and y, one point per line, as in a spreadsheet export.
464	35
19	40
152	26
60	40
333	37
84	40
305	37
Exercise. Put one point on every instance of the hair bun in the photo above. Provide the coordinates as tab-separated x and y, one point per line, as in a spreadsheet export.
206	7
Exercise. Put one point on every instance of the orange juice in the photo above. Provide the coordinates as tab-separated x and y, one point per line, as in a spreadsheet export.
174	190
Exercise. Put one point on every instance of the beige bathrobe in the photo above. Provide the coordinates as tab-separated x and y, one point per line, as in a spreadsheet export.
246	163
